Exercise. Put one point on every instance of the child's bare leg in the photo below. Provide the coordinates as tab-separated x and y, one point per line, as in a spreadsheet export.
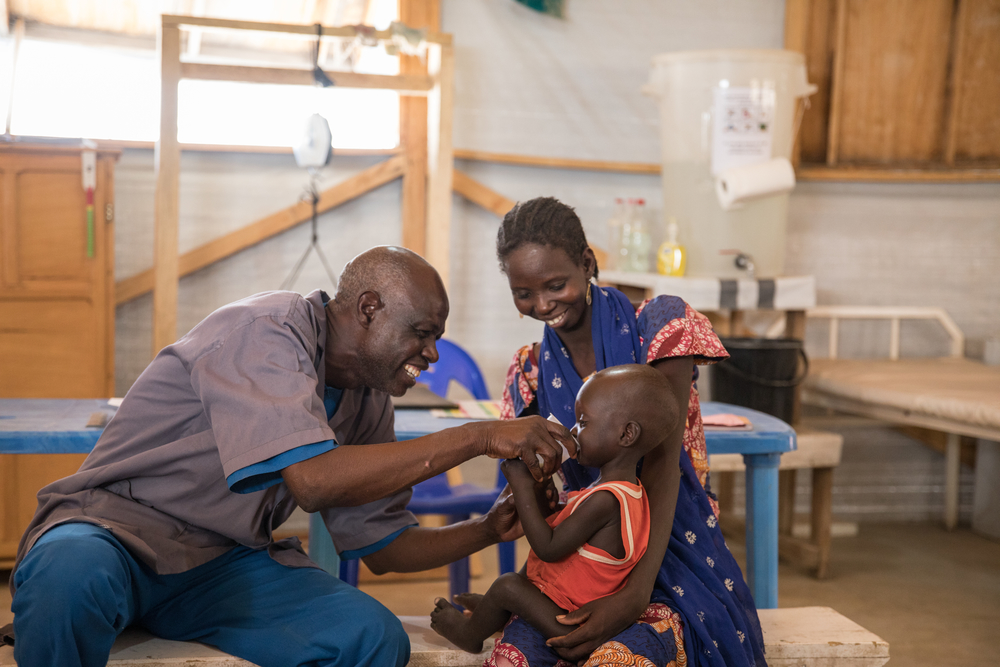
510	593
468	600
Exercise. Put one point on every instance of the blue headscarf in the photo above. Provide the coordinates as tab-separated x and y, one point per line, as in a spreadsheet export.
616	342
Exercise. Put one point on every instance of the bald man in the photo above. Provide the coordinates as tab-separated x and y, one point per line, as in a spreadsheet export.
272	402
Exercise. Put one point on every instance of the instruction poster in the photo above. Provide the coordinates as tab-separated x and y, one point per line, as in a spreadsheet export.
742	131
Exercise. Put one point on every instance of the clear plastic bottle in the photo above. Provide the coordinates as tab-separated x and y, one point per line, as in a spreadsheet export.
615	235
671	260
642	243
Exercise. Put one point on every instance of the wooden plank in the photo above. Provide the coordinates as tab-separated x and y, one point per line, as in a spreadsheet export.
167	212
837	84
290	28
413	130
956	79
894	62
559	163
408	84
819	44
873	174
796	39
477	193
263	229
977	85
440	158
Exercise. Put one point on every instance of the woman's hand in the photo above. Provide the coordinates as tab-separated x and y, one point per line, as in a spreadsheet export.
528	438
599	621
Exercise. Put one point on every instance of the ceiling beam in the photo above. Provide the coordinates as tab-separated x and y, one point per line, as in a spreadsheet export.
407	84
291	28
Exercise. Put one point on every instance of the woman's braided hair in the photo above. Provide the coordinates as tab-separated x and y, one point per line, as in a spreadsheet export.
542	221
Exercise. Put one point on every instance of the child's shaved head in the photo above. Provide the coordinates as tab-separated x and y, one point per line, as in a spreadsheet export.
639	393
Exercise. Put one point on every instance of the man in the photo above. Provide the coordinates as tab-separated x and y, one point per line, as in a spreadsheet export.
274	401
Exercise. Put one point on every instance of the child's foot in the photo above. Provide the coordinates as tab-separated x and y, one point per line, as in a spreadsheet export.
468	600
451	624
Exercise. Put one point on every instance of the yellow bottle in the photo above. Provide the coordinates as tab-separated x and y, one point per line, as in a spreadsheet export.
671	260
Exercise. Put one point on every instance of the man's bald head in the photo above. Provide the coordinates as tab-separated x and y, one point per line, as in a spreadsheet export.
388	271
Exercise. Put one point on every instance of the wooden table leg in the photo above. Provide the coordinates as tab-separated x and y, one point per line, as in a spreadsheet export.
822	516
786	501
953	465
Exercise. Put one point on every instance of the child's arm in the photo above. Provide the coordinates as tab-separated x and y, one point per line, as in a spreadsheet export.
552	544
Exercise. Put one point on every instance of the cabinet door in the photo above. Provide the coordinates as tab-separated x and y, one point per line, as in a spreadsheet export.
55	307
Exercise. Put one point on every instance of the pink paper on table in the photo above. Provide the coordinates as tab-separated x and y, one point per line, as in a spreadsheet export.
725	419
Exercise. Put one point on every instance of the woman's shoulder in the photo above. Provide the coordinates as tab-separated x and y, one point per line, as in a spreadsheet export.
664	307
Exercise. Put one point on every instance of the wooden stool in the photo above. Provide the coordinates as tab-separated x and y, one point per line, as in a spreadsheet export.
796	637
817	450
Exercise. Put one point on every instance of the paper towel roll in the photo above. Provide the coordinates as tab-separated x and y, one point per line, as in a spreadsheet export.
741	184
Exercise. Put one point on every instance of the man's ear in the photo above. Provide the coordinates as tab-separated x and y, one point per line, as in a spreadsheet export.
368	304
630	434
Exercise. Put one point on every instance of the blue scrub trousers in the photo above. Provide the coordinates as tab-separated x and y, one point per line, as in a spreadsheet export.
79	587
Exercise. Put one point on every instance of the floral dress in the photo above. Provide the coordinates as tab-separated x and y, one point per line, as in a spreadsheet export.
701	611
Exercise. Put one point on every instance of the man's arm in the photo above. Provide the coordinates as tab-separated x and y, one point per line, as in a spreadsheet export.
602	619
354	475
417	549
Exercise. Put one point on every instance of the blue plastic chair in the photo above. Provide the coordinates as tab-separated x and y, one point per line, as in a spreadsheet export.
436	495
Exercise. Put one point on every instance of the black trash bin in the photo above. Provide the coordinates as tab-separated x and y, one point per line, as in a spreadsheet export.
760	373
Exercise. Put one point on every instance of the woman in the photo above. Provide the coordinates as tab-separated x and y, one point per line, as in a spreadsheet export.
692	605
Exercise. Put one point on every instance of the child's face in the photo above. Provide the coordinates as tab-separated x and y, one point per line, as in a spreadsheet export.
596	429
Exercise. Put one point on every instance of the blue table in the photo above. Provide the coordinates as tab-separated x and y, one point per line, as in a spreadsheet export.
58	426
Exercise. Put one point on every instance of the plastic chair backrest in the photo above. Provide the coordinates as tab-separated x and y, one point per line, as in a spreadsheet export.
456	364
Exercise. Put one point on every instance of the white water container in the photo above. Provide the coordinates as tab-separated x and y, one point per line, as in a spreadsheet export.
722	109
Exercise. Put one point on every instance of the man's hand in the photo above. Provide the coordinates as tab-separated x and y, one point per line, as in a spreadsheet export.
598	621
502	518
528	438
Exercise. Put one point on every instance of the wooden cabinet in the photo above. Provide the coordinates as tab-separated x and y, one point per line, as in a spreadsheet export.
56	304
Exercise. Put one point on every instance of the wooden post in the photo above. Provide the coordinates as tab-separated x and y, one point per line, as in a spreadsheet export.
440	156
795	327
167	214
413	131
822	516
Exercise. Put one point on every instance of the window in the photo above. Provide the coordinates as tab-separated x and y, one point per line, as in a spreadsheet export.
73	90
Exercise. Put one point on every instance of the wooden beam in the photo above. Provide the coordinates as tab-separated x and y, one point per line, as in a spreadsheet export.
440	157
263	229
290	28
404	84
413	130
875	174
167	212
559	163
477	193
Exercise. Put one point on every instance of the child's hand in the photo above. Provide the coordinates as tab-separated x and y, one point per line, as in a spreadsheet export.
517	473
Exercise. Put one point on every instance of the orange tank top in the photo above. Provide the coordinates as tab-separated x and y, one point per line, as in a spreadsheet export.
590	572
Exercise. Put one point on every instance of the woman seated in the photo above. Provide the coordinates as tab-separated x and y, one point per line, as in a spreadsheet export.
685	603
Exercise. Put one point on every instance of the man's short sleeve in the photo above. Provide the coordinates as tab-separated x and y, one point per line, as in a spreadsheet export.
259	391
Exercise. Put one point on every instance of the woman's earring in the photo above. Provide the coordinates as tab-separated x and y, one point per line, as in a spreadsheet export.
521	315
589	299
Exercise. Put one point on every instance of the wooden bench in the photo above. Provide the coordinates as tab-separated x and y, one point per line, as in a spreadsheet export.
817	451
796	637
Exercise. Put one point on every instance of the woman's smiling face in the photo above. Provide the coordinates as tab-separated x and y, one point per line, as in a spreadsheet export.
548	285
